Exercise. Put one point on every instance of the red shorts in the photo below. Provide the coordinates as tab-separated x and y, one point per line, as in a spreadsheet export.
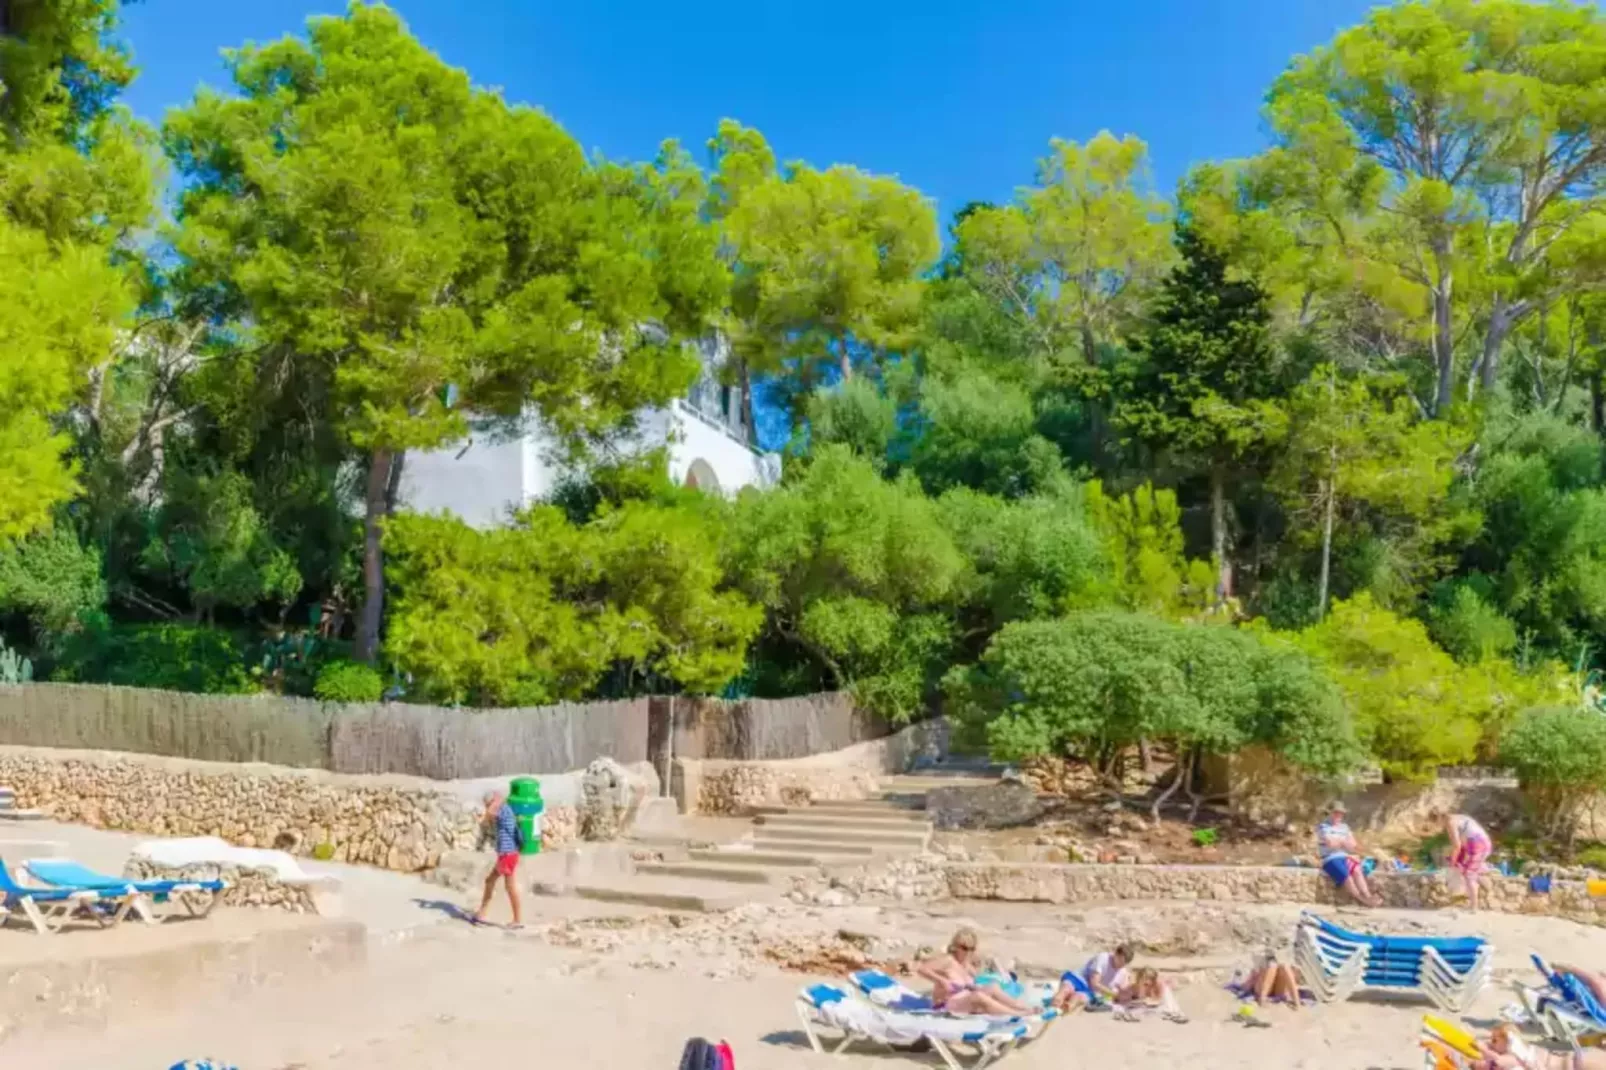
506	864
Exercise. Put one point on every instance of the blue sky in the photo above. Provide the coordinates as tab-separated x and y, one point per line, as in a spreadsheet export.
956	97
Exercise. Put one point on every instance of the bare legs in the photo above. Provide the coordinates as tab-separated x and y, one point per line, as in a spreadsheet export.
491	880
1360	890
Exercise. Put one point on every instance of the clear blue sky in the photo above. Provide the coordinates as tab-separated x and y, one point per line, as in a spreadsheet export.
956	97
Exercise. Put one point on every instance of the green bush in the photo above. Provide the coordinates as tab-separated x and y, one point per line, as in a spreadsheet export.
171	657
1094	684
347	681
1559	756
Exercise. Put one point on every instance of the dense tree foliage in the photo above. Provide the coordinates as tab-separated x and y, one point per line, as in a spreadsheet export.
1310	454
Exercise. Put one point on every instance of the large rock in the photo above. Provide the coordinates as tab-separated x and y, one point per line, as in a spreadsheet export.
604	800
1007	804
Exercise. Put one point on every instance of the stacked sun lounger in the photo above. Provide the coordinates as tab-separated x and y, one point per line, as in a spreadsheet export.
1335	963
961	1043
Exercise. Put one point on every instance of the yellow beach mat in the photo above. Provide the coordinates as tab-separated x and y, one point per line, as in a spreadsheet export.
1450	1035
1595	886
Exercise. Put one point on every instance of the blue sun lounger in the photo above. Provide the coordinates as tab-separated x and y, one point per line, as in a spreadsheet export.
50	909
833	1008
198	897
1565	1008
1335	962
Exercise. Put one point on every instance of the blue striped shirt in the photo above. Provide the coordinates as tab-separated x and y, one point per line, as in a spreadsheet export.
507	831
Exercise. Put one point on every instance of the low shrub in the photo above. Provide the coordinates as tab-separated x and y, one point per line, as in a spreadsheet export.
348	681
171	657
1559	756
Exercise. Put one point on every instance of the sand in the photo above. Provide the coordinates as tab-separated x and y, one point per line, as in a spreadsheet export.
573	990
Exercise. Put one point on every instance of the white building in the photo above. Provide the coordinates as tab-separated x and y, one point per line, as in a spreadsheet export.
709	443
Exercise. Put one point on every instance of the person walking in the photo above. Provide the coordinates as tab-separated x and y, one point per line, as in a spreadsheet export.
500	818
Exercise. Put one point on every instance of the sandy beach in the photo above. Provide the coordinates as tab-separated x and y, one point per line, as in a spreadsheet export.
627	991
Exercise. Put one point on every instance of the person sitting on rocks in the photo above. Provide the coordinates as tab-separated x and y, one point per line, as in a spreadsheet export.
1340	855
1146	990
954	986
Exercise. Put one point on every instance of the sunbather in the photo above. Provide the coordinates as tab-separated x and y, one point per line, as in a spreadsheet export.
1595	981
1340	854
1146	990
954	987
1273	979
1470	847
1505	1050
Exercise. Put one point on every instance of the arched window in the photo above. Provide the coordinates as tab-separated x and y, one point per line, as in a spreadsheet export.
700	474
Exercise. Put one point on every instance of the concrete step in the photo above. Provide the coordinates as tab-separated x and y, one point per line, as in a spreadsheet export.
844	812
844	834
838	851
666	893
784	859
711	871
807	818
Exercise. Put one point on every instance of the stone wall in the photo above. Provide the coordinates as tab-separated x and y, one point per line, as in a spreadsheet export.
733	787
400	823
1048	883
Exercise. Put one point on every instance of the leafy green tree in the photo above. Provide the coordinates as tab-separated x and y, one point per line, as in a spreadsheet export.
432	251
74	180
1073	259
827	265
1025	559
980	432
1472	128
1097	684
1542	550
857	415
543	610
856	573
51	579
1356	452
211	540
1559	756
1207	372
1414	708
1143	564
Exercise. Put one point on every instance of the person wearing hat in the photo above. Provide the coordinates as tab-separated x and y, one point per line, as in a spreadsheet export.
1340	855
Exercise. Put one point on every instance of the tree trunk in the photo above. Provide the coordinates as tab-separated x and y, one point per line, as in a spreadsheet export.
1218	533
1330	508
1443	339
1493	341
393	481
1597	402
1090	349
375	499
845	362
745	379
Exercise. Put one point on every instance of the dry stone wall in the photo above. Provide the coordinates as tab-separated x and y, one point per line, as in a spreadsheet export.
400	823
1048	883
735	787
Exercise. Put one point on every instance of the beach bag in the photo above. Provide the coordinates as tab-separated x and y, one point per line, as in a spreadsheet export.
699	1054
1455	882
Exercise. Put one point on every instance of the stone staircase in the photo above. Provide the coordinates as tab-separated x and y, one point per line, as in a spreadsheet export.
785	841
9	811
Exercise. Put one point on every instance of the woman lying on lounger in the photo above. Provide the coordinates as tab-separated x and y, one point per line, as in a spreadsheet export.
953	982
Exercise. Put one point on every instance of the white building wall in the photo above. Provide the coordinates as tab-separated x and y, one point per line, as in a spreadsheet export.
479	481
